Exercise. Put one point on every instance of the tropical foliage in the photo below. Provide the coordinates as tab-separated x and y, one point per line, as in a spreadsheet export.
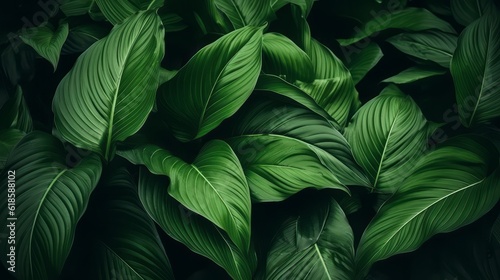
263	139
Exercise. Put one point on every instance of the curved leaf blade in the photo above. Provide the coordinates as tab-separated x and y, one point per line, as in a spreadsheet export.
245	13
387	135
475	68
108	94
455	176
14	113
197	233
360	62
116	11
194	108
8	140
467	11
413	74
50	200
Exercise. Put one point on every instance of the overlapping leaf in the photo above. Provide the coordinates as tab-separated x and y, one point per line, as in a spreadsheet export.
361	61
8	140
413	74
116	11
245	13
108	94
467	11
213	186
213	85
14	113
475	68
197	233
81	37
50	199
387	135
449	188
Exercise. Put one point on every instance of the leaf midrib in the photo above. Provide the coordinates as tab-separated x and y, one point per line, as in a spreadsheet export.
121	259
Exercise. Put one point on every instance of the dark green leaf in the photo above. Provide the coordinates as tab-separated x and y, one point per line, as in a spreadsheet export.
413	74
14	113
363	60
116	11
245	13
82	37
467	11
8	140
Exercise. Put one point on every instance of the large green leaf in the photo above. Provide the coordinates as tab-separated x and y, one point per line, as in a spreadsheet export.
409	19
75	7
127	243
283	58
14	113
318	244
50	199
467	11
360	62
475	68
413	74
116	11
194	231
245	13
8	140
196	100
449	188
430	45
213	186
108	94
387	135
46	42
305	5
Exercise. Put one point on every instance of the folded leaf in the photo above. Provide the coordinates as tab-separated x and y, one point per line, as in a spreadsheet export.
108	94
245	13
449	188
197	233
361	61
194	106
475	68
116	11
413	74
50	200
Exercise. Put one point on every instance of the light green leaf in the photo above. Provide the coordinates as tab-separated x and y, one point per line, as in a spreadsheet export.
245	13
413	74
127	243
8	140
409	19
475	68
388	135
361	61
467	11
430	45
449	188
197	233
166	75
318	244
14	113
46	42
283	58
50	200
82	37
116	11
109	92
213	186
194	106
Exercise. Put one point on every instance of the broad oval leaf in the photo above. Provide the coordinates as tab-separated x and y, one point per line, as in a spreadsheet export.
213	186
283	58
361	61
198	234
50	200
318	244
245	13
47	42
108	94
430	45
387	135
225	72
467	11
409	19
449	188
475	68
127	243
413	74
116	11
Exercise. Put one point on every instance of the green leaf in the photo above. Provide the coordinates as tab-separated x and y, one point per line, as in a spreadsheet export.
281	57
14	113
76	7
8	140
318	244
271	119
50	200
172	22
109	92
388	135
46	42
363	60
245	13
213	186
166	75
197	233
193	107
305	5
449	188
431	45
467	11
475	68
116	11
409	19
127	243
82	37
413	74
